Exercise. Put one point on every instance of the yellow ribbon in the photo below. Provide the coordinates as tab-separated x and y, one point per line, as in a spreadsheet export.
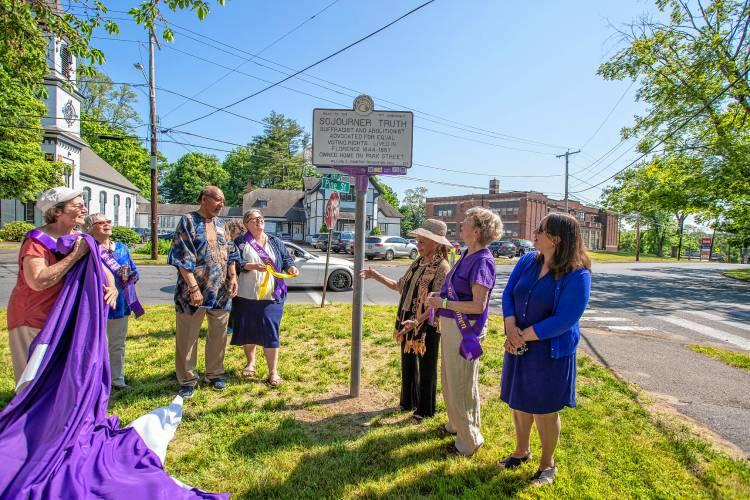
267	278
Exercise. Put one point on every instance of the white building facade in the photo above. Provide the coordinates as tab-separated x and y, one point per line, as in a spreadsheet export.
105	189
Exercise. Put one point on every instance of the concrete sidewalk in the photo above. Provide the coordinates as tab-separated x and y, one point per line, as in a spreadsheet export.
707	391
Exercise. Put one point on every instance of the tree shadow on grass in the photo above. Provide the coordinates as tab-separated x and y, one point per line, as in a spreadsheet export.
339	453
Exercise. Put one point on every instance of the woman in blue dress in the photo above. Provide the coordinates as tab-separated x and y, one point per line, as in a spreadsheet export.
543	301
259	304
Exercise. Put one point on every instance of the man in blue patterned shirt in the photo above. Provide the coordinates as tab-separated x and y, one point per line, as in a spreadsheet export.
204	255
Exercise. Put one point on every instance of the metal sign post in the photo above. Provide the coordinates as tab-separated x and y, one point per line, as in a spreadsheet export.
360	142
332	215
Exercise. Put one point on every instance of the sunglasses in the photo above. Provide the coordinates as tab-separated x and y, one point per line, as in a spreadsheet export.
539	230
259	220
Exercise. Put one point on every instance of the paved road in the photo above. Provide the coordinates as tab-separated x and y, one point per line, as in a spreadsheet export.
639	321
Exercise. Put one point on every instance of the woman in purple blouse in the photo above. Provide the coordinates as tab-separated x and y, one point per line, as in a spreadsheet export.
543	301
463	306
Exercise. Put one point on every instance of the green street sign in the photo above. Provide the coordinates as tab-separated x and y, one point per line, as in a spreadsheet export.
334	185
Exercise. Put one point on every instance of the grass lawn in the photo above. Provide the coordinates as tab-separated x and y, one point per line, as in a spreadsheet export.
731	358
740	274
615	257
145	260
307	439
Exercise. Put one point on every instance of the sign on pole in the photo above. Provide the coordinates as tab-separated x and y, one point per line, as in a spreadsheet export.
345	138
332	216
360	142
335	185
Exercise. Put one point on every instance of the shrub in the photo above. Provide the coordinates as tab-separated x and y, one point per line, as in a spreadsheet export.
323	229
376	232
15	231
126	235
162	248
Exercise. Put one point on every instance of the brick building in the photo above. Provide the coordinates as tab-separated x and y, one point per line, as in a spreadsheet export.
521	211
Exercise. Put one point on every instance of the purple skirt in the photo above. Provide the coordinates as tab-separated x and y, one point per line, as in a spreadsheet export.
255	322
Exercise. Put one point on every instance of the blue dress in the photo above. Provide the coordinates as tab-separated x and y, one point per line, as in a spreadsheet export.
536	382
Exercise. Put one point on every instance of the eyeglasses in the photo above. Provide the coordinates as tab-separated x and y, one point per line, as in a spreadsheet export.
259	220
105	222
77	206
539	229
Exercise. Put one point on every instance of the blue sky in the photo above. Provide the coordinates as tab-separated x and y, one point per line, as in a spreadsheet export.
521	69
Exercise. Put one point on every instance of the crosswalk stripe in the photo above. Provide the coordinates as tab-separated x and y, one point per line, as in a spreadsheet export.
720	319
604	318
633	328
708	331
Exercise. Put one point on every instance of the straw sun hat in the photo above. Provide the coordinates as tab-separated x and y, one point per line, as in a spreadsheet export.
434	230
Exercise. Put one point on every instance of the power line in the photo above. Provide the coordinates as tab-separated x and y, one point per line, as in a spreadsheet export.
277	40
320	61
439	120
608	115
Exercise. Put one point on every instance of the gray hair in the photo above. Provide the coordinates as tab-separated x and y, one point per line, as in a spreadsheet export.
91	219
51	215
249	215
487	222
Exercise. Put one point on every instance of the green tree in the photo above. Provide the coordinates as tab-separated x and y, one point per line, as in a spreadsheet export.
184	179
389	195
692	71
274	159
23	54
413	209
108	112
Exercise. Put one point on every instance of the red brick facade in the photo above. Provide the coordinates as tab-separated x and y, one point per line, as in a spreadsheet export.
521	212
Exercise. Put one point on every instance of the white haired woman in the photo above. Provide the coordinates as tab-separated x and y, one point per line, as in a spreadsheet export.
41	270
116	256
463	306
259	304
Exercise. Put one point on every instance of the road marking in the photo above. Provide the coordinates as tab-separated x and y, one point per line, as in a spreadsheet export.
621	328
708	331
720	319
604	318
316	297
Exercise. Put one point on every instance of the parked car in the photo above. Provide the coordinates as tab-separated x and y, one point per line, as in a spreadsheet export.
166	235
320	241
389	247
340	240
503	248
412	241
350	246
285	236
523	246
312	267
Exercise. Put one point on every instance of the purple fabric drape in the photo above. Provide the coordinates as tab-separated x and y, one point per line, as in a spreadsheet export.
56	440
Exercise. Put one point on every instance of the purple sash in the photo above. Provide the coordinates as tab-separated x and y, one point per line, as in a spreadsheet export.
279	287
128	288
470	347
56	440
63	245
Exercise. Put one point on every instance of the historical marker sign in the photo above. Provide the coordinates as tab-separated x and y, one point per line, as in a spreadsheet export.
356	138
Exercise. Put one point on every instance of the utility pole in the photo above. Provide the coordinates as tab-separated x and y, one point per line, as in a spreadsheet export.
567	154
154	147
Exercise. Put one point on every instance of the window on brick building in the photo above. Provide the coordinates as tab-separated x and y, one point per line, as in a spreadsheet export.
445	210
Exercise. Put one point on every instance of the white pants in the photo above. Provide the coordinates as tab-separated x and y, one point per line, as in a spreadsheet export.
460	379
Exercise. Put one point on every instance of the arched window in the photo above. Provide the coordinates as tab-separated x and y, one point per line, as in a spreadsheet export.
127	212
87	198
116	201
103	202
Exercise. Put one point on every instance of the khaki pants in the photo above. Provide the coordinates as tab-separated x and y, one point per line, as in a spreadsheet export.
188	327
460	379
20	339
116	331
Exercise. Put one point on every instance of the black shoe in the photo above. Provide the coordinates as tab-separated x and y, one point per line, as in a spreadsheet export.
186	391
443	431
511	462
122	388
217	384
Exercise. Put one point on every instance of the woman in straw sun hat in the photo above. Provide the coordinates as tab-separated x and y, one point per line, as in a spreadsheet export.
419	337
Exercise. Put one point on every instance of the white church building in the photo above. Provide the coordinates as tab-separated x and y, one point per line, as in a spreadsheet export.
104	188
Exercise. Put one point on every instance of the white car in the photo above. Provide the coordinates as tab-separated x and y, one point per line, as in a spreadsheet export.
311	268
